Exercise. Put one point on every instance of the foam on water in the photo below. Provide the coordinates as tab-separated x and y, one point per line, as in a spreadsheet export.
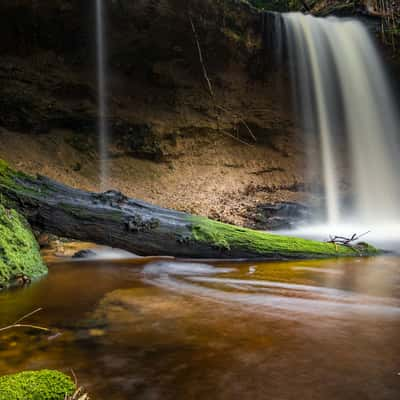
181	268
109	253
265	296
275	304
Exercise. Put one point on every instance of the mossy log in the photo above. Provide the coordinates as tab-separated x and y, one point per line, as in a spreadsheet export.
112	219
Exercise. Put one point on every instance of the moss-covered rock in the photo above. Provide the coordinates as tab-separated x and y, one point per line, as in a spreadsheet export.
36	385
268	245
19	251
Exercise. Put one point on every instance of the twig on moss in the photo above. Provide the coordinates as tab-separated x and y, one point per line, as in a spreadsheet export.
344	241
80	393
74	376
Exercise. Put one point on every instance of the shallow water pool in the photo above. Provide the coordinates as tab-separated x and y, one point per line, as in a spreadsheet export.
326	329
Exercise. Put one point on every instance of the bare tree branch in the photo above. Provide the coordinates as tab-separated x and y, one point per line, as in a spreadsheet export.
196	38
17	323
28	315
344	241
241	120
210	88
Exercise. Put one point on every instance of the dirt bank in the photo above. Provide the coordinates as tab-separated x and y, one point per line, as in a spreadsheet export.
216	177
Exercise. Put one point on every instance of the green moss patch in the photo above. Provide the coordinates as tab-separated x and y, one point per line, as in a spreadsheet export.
19	251
4	172
227	237
36	385
9	178
3	166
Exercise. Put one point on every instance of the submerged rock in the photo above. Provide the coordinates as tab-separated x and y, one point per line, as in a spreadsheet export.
20	259
31	385
85	253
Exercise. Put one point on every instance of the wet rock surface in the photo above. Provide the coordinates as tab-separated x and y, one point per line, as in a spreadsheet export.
86	253
282	215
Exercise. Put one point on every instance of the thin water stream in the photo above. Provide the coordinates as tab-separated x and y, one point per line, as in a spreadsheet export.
103	129
324	329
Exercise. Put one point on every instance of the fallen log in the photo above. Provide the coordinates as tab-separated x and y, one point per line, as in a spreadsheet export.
113	219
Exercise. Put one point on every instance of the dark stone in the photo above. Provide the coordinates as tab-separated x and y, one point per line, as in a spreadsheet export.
113	195
19	280
86	253
139	140
284	215
183	239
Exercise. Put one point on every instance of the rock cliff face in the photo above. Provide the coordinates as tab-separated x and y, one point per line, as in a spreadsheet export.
157	85
156	80
171	142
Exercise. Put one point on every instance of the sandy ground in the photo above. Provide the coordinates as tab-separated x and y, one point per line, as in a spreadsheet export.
212	175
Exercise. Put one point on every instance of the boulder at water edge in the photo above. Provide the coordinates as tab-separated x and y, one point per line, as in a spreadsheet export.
19	252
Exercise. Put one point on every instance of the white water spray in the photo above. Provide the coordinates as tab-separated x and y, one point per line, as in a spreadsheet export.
346	101
102	92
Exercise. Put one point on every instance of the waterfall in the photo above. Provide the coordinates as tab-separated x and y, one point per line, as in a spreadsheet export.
103	133
349	116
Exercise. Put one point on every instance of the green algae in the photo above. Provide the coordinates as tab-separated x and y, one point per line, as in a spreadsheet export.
227	237
36	385
10	181
6	173
3	166
19	251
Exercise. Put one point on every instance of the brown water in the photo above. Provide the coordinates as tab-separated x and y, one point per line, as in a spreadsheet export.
296	330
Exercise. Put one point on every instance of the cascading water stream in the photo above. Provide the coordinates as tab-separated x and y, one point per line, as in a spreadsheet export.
102	93
349	115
